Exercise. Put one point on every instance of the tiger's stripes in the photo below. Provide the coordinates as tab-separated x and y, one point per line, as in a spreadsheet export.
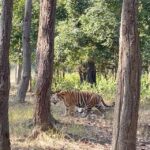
80	99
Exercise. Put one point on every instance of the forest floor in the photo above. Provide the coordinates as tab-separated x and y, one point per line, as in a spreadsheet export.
91	133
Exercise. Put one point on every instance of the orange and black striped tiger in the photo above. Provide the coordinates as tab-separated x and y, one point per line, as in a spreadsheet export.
84	100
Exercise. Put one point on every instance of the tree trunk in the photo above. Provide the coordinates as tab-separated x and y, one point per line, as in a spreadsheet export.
45	49
128	80
30	85
5	30
63	73
23	87
91	72
18	73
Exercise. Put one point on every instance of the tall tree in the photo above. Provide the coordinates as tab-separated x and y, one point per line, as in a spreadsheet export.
128	80
21	93
87	71
5	30
45	55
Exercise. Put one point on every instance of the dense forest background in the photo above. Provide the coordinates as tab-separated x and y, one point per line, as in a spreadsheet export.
84	30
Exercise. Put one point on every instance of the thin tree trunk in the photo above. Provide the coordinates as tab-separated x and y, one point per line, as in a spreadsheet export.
45	54
18	73
63	73
5	30
128	80
30	85
16	70
23	87
91	72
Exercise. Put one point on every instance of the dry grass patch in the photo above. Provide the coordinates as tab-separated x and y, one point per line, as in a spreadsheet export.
20	119
45	142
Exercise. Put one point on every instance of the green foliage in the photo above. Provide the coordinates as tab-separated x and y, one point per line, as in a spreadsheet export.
34	23
84	29
144	28
97	25
145	88
70	82
90	34
67	49
16	36
76	8
61	12
91	29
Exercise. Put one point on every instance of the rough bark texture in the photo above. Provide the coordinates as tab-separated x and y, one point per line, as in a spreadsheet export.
128	80
21	93
6	19
45	55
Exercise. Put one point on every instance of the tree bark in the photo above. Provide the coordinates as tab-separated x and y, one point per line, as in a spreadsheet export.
5	30
91	72
23	87
128	80
30	85
45	55
18	73
87	72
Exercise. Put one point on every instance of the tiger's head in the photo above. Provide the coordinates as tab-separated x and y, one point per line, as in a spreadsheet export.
55	98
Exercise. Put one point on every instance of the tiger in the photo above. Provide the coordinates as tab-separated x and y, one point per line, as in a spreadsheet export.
81	99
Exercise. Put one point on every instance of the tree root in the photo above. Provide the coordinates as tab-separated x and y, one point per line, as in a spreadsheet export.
40	129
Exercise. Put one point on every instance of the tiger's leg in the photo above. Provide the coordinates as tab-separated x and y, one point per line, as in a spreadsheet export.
79	110
86	112
89	106
100	108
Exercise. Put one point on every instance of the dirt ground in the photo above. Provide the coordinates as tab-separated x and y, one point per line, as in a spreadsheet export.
91	133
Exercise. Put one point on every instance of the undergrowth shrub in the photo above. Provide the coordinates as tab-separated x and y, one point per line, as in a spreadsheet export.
105	87
145	89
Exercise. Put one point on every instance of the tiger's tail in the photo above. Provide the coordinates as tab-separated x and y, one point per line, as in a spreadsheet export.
106	104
